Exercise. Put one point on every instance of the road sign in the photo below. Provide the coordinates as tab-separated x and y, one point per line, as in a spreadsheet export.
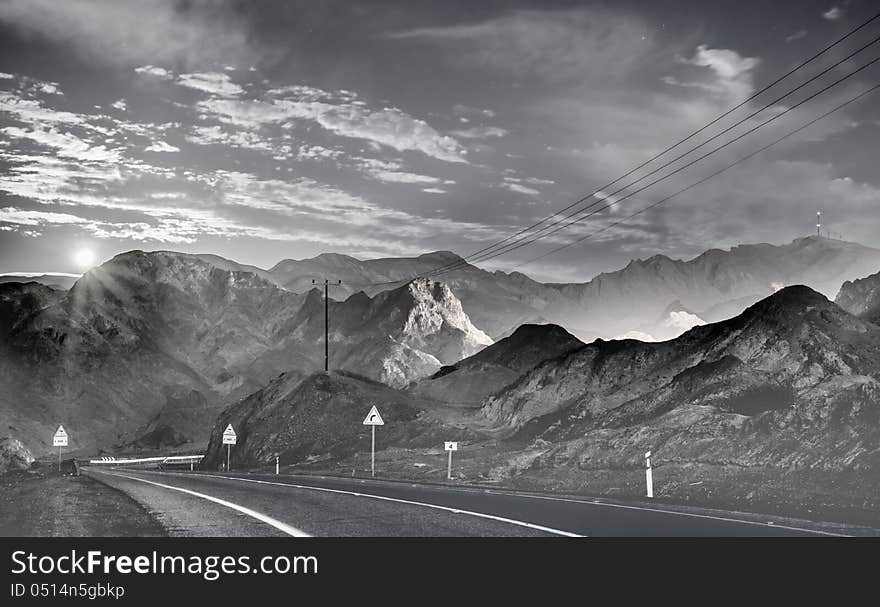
450	446
373	418
229	439
229	436
60	438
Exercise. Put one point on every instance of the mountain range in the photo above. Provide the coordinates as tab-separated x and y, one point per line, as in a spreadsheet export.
152	341
155	350
780	404
659	297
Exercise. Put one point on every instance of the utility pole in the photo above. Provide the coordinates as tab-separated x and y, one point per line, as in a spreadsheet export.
326	321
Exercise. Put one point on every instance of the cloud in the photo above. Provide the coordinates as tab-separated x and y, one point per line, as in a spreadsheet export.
317	152
796	36
402	177
833	14
341	113
218	135
161	146
519	189
65	144
481	132
37	218
465	110
189	34
119	104
579	44
152	70
391	172
215	83
733	72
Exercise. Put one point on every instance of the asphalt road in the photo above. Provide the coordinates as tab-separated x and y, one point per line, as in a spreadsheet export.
230	505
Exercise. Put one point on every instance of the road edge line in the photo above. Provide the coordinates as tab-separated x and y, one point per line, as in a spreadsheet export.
288	529
402	501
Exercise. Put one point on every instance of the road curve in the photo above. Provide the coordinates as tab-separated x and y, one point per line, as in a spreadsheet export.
232	505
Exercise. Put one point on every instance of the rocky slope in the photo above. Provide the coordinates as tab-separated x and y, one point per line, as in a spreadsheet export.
792	381
320	417
14	456
861	297
468	382
497	302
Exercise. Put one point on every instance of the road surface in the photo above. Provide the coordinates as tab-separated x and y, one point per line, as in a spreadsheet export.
230	505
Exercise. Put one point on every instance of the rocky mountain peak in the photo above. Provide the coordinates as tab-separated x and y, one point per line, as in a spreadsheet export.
861	297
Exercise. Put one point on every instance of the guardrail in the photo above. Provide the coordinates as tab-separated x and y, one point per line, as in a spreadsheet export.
148	462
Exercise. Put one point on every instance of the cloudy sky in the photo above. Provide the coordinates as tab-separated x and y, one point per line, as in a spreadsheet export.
269	130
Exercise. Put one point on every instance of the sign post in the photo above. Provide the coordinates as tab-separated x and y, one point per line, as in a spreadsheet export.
649	474
450	446
60	441
373	419
229	439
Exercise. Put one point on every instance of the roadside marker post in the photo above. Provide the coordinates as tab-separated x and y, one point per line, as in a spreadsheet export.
373	419
649	474
276	466
229	439
60	441
450	446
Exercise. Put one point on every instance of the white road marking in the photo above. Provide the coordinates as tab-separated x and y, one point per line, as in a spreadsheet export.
643	508
241	509
400	501
677	513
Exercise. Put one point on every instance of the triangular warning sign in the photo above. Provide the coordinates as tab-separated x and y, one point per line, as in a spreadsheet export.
229	431
373	418
61	432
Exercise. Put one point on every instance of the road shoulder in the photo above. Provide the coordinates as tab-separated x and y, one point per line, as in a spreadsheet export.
43	503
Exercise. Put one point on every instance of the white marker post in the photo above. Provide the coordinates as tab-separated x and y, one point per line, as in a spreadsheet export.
229	439
60	441
373	419
649	474
450	446
276	466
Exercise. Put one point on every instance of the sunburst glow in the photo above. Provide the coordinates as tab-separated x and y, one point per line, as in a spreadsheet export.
84	258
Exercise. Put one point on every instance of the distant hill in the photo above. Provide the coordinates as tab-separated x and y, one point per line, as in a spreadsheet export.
713	286
62	282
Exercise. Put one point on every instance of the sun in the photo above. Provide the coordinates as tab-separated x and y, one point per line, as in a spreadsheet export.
84	258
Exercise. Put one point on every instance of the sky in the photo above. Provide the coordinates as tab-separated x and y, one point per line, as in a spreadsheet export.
261	131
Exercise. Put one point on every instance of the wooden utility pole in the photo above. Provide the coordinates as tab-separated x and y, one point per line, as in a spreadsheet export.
326	321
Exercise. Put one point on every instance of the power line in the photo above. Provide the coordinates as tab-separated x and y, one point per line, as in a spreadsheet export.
665	151
676	171
705	179
543	231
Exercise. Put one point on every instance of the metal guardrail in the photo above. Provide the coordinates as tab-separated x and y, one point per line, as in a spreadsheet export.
147	462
